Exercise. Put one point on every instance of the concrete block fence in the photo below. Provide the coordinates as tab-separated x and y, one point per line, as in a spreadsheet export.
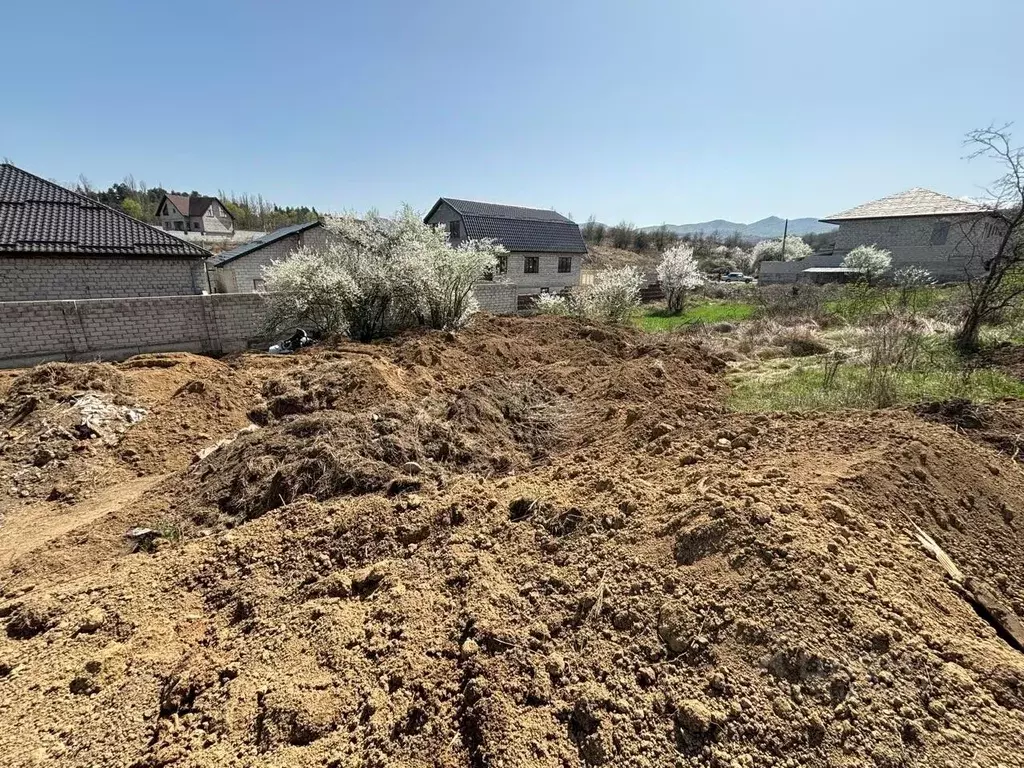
33	332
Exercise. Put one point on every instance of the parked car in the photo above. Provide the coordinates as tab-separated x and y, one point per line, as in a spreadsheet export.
737	277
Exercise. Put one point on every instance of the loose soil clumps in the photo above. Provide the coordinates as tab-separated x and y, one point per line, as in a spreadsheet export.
532	543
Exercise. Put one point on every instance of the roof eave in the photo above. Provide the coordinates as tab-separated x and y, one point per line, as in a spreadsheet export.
841	219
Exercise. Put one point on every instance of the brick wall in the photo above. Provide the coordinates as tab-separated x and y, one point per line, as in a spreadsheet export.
547	275
36	331
44	278
496	298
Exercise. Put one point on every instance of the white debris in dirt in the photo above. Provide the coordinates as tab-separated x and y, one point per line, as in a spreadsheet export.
202	453
104	418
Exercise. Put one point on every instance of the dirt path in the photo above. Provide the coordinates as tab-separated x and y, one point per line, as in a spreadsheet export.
30	527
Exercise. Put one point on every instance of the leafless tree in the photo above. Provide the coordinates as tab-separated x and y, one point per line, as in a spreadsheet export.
1001	286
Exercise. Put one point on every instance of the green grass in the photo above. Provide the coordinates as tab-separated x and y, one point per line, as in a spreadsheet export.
858	302
711	312
804	388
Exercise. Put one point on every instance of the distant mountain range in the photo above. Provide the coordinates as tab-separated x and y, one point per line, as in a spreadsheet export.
760	230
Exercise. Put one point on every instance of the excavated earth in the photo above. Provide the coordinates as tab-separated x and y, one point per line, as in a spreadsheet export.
533	543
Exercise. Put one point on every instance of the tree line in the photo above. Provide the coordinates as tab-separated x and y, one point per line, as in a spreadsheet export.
249	211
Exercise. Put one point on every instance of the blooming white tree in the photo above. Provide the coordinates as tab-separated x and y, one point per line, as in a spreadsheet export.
870	260
742	261
447	299
613	297
678	273
772	250
377	275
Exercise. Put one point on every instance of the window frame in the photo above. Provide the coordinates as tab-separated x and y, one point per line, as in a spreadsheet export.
503	264
454	229
533	261
940	233
565	260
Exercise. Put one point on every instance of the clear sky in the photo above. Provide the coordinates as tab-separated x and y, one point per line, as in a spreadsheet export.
653	112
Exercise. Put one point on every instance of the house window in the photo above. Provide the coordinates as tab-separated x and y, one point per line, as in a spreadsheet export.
531	265
453	230
258	284
177	226
939	233
195	225
503	264
565	264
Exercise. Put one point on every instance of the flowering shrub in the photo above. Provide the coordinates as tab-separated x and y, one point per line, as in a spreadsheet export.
912	277
870	260
771	250
550	304
376	276
613	297
678	273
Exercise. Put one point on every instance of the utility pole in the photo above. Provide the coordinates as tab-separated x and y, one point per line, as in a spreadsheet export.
785	231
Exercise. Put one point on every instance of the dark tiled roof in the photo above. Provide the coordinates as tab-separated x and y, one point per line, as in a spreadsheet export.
496	210
227	256
38	216
193	206
180	202
518	228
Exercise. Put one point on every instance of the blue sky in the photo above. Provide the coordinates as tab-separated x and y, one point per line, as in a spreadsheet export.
646	111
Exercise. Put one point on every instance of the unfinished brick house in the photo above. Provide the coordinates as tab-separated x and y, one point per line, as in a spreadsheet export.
546	249
58	244
202	215
948	236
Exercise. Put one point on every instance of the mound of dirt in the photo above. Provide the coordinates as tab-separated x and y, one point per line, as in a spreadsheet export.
534	543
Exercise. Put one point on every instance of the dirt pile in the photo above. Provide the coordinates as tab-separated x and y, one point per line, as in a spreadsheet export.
534	543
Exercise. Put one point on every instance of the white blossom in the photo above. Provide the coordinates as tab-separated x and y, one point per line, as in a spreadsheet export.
679	273
771	250
870	260
377	275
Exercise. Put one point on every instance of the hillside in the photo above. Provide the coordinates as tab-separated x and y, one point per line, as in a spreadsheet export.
759	230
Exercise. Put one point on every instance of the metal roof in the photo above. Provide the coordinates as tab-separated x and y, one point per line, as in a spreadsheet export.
913	202
39	216
516	227
228	256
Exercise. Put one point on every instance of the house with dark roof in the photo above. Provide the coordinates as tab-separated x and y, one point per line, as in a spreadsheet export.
545	249
950	237
240	270
59	244
204	215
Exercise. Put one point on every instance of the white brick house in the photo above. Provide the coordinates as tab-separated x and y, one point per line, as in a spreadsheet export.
950	237
546	249
205	215
58	244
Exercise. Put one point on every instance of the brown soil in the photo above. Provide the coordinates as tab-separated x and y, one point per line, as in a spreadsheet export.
534	543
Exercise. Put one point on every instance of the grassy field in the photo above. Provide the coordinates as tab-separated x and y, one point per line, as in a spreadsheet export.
710	312
811	388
